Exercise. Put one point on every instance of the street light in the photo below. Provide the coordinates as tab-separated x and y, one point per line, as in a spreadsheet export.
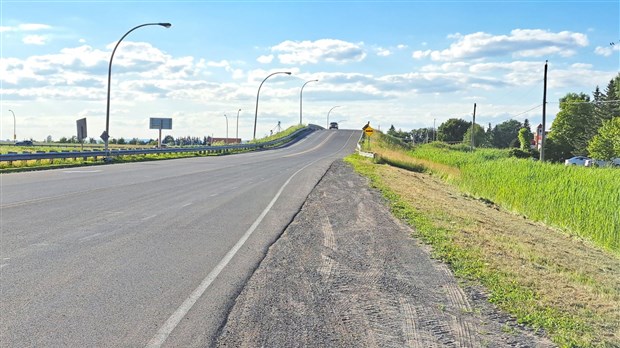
226	129
300	95
330	110
237	131
106	134
258	93
14	134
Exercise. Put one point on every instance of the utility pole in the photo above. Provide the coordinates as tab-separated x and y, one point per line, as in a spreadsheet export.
544	116
434	130
473	129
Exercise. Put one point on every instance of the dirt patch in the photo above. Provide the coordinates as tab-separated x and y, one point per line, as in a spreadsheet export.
345	273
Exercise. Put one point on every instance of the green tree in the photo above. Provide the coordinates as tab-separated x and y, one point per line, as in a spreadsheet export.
480	136
556	151
525	138
392	131
611	107
606	144
452	130
168	140
575	124
506	133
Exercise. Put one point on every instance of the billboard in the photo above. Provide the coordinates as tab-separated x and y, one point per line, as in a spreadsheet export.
160	123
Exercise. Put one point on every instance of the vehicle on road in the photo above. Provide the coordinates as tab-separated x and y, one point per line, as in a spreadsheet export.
576	161
601	163
333	125
592	162
24	143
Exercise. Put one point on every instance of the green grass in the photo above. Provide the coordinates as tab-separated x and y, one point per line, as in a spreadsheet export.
582	201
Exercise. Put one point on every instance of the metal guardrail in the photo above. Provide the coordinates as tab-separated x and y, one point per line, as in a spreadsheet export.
39	155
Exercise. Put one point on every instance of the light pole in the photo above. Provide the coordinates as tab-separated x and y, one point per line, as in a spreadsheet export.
258	93
237	131
226	129
106	134
14	122
300	98
330	110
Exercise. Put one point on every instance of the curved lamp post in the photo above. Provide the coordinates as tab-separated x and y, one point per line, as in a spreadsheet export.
300	98
237	131
14	134
258	93
106	134
226	129
330	110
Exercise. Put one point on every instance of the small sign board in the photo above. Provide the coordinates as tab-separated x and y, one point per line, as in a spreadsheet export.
81	129
160	123
369	130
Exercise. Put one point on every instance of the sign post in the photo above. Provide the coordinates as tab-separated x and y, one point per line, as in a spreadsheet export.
160	123
81	131
368	132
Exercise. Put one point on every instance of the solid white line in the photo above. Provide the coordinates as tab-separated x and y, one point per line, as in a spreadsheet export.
82	171
312	149
163	333
4	265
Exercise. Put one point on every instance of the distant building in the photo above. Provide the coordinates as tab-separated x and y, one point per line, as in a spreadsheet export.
227	141
536	143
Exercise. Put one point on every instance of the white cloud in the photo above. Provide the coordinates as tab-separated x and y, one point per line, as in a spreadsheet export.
383	52
606	51
33	27
324	50
520	43
220	64
25	27
401	46
34	40
265	59
421	54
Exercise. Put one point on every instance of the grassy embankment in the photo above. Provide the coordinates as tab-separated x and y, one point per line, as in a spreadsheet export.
89	161
546	277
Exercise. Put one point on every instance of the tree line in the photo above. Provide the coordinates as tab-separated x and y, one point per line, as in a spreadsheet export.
583	126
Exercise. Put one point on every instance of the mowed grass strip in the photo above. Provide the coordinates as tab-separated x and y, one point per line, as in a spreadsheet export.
543	277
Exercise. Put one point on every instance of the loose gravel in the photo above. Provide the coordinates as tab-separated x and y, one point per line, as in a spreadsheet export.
345	273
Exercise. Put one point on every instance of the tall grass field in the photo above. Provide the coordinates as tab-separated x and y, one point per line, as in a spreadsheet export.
583	201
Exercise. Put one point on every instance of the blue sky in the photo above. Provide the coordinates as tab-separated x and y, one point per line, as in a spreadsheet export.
406	63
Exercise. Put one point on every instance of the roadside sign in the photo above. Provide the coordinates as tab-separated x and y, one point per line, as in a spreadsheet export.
368	131
81	129
160	123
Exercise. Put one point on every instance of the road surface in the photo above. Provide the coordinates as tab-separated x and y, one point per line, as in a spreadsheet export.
145	254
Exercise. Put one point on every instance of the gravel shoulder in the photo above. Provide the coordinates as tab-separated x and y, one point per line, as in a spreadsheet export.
345	273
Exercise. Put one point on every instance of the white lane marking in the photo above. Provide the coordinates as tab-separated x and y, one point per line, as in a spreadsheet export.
312	149
149	217
186	205
213	195
176	317
90	237
82	171
4	264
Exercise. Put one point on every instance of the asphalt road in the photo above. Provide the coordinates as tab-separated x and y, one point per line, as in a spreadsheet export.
145	254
